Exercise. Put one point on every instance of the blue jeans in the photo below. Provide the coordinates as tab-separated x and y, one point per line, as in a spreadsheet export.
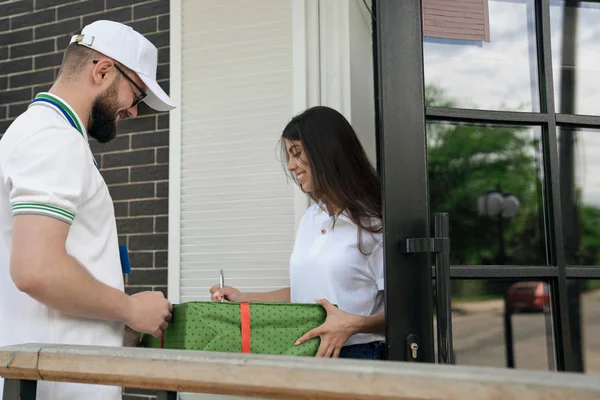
365	351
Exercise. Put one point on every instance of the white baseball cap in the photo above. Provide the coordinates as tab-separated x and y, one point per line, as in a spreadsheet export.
123	44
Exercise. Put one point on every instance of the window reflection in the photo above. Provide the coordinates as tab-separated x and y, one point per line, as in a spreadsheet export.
499	323
579	161
576	56
584	318
499	75
494	165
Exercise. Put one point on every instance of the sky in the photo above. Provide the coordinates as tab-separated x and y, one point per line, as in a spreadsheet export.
502	74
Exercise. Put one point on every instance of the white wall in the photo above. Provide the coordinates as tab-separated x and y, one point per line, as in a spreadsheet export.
362	92
346	65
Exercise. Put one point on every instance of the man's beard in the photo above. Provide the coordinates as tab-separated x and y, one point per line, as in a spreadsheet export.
103	125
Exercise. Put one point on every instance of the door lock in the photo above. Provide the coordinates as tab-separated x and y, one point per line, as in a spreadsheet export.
440	245
412	347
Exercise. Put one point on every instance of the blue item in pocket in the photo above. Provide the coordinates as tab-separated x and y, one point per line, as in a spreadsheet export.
124	254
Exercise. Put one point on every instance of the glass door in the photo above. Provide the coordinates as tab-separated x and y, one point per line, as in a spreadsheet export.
487	131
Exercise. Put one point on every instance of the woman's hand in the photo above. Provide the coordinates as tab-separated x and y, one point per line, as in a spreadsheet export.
227	292
234	295
334	332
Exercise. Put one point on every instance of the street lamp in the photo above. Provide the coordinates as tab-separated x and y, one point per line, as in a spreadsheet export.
500	205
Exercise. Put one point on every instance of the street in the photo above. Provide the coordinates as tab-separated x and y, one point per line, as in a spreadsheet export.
479	337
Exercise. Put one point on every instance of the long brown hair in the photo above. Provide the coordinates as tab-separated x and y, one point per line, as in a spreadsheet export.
343	177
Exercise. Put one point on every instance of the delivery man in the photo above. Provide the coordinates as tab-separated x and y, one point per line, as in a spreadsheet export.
60	272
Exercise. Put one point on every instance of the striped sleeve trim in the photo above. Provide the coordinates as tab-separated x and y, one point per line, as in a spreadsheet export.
43	209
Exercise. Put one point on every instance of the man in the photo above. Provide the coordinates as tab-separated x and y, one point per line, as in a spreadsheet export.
60	273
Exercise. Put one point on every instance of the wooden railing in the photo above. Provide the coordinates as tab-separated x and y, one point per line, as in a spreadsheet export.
278	376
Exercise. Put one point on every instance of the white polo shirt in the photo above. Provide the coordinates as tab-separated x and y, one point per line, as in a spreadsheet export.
327	263
47	168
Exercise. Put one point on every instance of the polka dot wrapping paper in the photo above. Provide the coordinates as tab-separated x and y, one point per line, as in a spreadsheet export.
211	326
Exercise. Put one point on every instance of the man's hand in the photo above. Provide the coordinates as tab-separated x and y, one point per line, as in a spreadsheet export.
334	332
149	313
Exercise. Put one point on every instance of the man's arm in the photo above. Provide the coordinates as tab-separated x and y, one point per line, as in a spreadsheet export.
41	267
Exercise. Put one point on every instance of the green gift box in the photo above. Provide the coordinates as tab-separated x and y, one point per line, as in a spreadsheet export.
259	328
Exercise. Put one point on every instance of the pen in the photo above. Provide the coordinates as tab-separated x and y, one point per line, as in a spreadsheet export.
221	283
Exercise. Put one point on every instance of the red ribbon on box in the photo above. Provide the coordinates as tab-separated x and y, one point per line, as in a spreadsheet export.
245	326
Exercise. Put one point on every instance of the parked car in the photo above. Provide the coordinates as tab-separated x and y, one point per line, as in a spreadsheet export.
528	296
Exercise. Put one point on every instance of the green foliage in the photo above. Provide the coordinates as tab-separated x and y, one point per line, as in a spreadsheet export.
589	220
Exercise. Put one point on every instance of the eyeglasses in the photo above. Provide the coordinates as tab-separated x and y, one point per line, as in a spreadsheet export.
138	98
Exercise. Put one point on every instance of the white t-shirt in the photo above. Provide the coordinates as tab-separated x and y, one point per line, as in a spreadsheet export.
47	168
327	263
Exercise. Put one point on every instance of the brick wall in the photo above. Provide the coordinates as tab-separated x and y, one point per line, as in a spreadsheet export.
33	35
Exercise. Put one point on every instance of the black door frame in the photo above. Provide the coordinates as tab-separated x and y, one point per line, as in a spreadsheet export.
403	164
401	118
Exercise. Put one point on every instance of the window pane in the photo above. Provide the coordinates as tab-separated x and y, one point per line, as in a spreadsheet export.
575	57
490	181
584	316
497	75
480	332
579	161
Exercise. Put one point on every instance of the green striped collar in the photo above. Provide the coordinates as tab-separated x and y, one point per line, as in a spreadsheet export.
67	112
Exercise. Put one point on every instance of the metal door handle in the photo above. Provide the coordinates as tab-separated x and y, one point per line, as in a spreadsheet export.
443	292
440	245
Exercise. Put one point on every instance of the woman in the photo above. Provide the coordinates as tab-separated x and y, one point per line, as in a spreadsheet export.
338	255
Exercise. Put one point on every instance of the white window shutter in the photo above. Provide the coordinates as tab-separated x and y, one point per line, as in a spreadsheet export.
236	205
